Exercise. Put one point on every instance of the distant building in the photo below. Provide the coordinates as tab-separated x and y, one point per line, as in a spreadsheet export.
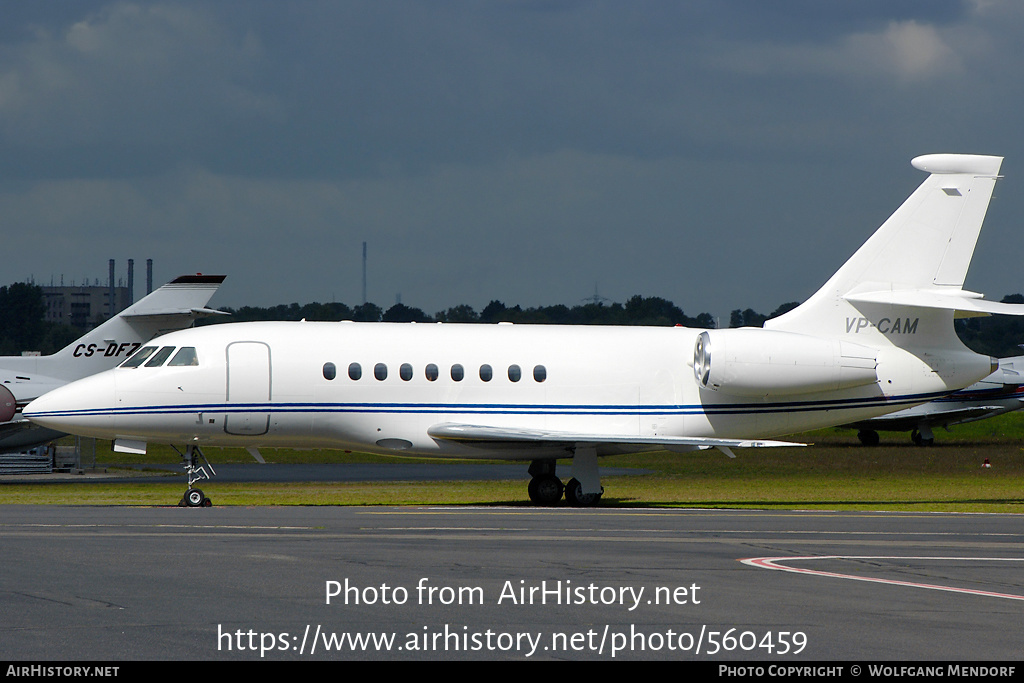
83	307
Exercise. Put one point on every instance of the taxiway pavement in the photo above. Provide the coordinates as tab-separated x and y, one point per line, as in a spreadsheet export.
138	583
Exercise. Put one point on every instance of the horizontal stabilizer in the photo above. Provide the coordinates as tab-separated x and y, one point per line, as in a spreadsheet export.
184	295
498	437
192	312
958	300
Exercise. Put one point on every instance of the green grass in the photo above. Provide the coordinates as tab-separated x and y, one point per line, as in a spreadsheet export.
835	473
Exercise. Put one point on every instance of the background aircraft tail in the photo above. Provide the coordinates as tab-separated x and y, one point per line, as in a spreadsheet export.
171	307
903	286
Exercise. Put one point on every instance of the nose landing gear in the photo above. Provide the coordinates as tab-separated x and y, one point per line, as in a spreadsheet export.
194	497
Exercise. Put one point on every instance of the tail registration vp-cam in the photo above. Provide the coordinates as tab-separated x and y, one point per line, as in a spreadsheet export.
877	337
885	325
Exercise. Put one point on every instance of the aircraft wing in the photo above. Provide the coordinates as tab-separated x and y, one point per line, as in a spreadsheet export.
955	417
498	438
939	417
21	435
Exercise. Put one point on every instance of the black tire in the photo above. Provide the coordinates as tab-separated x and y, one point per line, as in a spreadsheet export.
574	495
919	440
545	490
868	437
194	498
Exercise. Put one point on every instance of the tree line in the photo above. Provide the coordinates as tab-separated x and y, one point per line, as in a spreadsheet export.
23	325
999	335
636	311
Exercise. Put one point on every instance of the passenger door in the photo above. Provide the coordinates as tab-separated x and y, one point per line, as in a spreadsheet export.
248	389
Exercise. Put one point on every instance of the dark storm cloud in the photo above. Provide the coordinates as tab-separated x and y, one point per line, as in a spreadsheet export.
720	154
322	89
125	89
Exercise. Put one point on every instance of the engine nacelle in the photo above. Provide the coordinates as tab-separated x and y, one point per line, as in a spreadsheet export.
8	404
760	363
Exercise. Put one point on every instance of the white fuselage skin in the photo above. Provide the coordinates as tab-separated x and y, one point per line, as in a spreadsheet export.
265	385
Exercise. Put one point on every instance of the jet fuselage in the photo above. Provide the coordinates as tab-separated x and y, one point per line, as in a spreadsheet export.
381	387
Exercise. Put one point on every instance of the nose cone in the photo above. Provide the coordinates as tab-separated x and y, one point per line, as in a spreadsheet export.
83	407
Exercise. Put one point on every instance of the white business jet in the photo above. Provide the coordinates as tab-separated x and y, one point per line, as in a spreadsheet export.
877	337
24	378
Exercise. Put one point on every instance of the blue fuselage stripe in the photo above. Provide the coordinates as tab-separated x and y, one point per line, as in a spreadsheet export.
505	409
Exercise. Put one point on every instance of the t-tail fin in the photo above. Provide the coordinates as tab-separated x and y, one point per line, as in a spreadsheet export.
906	282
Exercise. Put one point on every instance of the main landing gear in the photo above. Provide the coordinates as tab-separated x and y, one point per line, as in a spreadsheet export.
922	436
583	490
194	497
868	437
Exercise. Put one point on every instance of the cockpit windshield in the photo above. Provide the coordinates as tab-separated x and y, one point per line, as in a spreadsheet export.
138	357
159	357
186	356
149	355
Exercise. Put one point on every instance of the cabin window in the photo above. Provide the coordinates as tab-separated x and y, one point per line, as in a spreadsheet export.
185	356
458	373
486	373
405	372
431	372
330	371
514	373
380	371
540	373
139	356
355	371
160	357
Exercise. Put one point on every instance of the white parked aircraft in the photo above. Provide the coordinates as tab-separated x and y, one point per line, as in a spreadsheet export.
1001	392
877	337
24	378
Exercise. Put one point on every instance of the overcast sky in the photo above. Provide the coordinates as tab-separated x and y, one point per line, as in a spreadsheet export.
718	154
